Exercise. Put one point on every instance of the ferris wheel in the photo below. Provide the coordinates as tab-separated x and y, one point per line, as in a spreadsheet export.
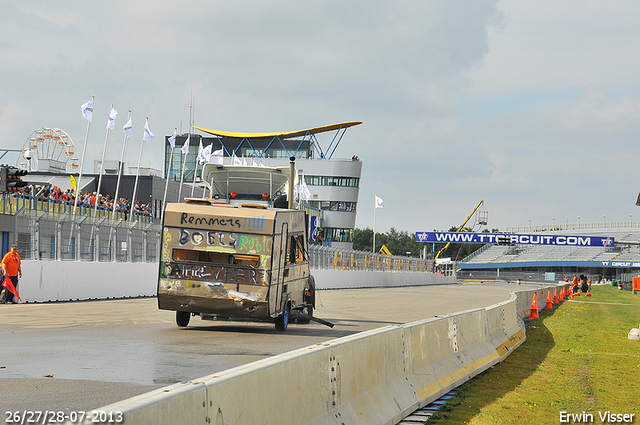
48	149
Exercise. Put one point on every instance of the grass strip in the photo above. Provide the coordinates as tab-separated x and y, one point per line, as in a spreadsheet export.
577	359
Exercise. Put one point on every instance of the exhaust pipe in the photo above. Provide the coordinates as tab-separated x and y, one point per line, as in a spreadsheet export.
292	171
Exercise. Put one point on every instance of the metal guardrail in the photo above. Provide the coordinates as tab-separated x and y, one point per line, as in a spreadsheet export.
14	204
328	258
48	230
575	226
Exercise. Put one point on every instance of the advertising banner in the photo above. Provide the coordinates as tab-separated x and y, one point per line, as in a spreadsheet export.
313	229
522	239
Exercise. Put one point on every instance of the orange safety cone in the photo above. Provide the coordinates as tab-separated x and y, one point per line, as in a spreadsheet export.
549	302
555	296
588	293
570	293
562	294
534	307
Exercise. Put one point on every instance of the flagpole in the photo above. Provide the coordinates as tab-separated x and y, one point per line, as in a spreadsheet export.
195	171
104	150
166	186
374	227
84	150
135	186
184	162
377	204
182	177
124	145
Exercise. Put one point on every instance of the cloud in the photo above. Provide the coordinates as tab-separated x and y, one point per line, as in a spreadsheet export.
599	121
513	102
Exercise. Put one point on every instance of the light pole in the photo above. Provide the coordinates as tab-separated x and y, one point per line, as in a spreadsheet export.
554	223
529	225
578	222
604	221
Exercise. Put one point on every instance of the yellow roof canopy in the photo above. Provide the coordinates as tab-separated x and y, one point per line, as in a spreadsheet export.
284	134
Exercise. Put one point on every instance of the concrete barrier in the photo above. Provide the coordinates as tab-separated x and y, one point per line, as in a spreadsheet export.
446	352
45	281
351	380
347	279
374	377
505	329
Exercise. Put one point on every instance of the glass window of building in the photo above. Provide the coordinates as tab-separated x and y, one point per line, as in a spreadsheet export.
338	235
332	181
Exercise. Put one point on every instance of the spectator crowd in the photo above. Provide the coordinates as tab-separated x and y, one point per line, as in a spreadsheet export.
53	193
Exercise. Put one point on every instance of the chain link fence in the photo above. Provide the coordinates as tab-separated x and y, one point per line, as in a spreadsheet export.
45	238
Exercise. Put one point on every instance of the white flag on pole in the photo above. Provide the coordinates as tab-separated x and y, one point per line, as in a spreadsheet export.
216	157
111	121
148	135
172	139
87	110
378	202
206	153
236	160
203	153
305	192
127	128
200	150
185	147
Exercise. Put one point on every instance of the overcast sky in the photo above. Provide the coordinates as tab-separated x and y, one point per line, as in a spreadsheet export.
532	107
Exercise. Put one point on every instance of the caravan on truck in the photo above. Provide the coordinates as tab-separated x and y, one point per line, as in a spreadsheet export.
235	261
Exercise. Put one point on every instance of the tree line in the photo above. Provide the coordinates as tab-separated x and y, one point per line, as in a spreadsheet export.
404	243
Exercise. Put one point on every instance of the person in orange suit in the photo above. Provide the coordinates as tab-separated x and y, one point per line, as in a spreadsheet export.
11	268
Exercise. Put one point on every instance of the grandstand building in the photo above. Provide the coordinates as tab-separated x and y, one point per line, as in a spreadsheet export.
555	262
334	183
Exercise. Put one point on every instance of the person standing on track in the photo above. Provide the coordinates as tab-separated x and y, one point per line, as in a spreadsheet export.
11	267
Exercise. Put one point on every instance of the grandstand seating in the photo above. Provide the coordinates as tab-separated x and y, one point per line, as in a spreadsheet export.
562	253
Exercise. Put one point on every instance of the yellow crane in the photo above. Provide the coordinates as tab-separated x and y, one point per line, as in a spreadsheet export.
481	221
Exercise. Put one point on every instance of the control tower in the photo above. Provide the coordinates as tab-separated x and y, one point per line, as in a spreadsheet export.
332	183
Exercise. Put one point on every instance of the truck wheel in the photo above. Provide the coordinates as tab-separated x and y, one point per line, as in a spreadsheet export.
282	321
182	318
312	289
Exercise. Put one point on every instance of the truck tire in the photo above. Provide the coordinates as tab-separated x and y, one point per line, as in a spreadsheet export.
312	288
282	321
182	318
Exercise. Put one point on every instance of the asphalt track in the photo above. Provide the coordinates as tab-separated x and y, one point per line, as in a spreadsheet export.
83	355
